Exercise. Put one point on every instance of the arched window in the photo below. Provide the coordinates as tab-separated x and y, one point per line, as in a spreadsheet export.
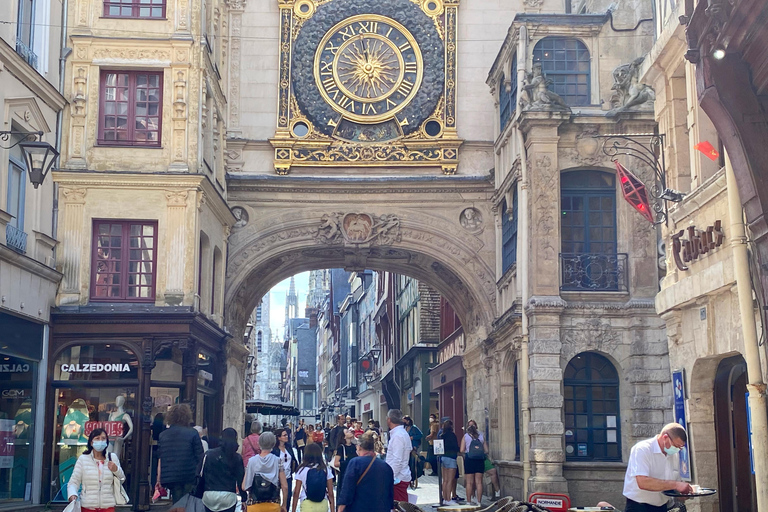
592	423
566	62
259	339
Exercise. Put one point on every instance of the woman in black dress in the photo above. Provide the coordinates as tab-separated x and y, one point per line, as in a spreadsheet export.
344	453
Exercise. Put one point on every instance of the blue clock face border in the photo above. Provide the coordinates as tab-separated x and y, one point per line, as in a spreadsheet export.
413	100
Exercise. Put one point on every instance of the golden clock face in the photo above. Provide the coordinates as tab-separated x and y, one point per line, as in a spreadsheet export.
368	68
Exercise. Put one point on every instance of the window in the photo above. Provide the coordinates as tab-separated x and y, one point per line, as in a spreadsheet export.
134	9
508	100
25	31
131	108
588	212
15	237
509	233
592	424
259	340
124	259
566	62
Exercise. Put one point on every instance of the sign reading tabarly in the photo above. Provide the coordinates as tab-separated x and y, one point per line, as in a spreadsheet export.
691	243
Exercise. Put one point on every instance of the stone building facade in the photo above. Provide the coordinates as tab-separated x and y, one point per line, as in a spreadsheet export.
144	225
576	265
699	297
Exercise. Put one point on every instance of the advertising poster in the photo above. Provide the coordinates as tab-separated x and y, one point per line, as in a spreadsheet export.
678	385
7	438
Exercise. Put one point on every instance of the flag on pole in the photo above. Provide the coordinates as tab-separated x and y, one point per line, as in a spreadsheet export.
634	192
708	150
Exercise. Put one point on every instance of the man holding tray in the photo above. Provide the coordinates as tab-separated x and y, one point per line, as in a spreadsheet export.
653	468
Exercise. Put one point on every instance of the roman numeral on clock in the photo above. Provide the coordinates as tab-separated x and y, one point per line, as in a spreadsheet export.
405	46
368	108
347	32
368	27
346	103
405	88
411	67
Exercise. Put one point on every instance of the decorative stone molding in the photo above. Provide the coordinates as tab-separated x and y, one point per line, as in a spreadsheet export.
358	228
535	93
176	198
472	220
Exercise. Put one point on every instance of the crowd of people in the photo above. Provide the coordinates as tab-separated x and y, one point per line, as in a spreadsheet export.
310	468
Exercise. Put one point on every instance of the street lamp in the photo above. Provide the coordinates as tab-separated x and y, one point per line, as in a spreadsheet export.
375	353
39	156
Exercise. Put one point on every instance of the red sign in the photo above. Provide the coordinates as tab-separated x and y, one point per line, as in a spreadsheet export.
708	150
367	406
634	192
112	428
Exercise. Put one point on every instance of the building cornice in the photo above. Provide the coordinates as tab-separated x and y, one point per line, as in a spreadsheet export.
29	264
146	181
33	80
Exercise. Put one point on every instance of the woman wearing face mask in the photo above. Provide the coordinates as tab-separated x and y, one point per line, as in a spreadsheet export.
346	450
94	471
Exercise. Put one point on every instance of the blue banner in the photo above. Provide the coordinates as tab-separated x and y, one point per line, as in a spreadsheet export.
678	385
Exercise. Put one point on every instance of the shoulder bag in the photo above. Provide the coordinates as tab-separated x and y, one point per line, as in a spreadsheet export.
373	459
121	497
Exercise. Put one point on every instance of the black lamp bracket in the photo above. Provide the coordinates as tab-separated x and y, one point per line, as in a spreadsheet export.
5	136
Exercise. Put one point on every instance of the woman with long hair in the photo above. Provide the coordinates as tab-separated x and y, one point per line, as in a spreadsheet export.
490	469
309	477
474	449
95	471
344	453
223	473
448	462
265	479
285	454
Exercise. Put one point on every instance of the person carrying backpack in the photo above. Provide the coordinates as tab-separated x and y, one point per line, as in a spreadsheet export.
474	449
265	478
314	482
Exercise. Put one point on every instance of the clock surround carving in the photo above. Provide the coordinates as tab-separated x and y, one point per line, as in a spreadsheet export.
367	83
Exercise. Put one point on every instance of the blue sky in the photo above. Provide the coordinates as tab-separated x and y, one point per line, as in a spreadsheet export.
277	302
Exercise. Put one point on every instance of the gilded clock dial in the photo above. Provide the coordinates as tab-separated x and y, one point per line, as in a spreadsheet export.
368	68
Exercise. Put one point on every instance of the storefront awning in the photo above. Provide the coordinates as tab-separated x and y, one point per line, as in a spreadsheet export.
270	408
445	373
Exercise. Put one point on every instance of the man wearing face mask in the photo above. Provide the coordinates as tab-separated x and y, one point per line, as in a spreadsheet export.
653	468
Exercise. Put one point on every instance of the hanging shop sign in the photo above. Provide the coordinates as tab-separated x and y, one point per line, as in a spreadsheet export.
690	244
453	348
95	368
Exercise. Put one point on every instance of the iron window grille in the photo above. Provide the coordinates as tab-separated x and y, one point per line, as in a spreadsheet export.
566	62
592	421
131	108
124	261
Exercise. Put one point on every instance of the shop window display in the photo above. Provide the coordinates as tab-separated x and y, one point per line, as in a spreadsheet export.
17	396
95	387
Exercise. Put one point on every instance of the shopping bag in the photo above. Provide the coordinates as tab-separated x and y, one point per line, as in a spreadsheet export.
160	492
189	503
74	506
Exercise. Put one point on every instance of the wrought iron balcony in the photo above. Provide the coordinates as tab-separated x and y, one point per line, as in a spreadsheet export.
26	53
15	238
593	272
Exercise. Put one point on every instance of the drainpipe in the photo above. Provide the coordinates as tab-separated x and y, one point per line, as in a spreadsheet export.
755	386
523	269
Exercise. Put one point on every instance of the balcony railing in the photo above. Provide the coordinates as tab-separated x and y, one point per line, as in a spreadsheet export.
593	272
26	53
15	238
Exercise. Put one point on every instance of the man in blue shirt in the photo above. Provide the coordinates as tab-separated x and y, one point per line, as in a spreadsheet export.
368	481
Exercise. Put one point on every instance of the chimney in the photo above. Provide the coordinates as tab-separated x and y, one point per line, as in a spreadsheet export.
311	313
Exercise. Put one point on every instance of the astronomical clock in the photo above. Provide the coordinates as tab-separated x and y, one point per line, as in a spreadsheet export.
367	83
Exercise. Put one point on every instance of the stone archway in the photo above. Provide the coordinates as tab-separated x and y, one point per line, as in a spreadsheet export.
411	226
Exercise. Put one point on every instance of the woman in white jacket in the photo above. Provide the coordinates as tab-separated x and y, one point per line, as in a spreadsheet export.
95	473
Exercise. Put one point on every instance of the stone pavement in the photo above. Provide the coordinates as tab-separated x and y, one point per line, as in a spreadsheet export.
429	496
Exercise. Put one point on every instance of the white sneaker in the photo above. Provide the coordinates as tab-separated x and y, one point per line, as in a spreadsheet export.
497	494
474	502
449	503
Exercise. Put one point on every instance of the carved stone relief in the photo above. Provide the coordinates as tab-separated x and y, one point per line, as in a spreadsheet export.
358	228
472	220
591	334
241	216
535	94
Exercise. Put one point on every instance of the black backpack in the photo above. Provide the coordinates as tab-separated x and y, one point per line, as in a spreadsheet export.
316	485
262	490
476	450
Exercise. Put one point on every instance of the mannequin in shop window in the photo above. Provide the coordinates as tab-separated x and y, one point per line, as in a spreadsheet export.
120	415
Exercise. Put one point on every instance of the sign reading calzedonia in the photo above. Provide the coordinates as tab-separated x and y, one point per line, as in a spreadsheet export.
95	368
